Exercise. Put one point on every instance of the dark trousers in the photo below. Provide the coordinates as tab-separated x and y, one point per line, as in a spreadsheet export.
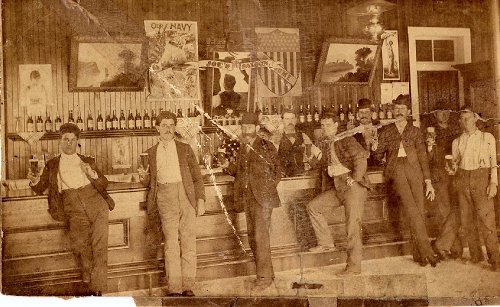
258	218
88	233
410	190
448	239
477	213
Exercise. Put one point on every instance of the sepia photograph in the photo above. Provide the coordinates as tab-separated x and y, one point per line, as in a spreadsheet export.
250	153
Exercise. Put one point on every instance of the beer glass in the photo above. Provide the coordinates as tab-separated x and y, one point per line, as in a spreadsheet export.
144	160
34	166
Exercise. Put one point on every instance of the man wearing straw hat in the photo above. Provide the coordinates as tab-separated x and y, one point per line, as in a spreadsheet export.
257	174
77	195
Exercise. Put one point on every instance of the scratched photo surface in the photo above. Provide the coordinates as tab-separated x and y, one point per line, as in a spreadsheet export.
306	195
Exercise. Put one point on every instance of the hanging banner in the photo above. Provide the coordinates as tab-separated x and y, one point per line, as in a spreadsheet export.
173	57
278	45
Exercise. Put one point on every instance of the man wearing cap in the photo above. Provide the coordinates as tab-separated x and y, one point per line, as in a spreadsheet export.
344	160
407	169
441	131
475	169
369	134
295	148
77	195
257	174
176	195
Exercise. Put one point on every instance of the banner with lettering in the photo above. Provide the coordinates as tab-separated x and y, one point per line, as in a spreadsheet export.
280	48
173	60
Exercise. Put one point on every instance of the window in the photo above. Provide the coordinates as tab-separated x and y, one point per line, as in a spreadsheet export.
435	50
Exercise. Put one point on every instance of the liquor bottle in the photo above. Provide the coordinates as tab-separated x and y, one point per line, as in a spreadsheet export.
39	124
323	109
381	113
79	122
109	122
274	111
309	115
138	120
389	112
70	118
332	108
266	111
189	113
357	112
341	113
147	120
114	121
58	123
100	122
302	115
179	113
30	125
131	120
90	122
374	112
316	114
153	118
123	121
48	124
350	114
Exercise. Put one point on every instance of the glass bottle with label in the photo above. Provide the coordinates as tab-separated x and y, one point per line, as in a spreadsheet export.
138	120
90	122
153	118
316	114
302	115
100	122
39	124
48	124
309	115
70	118
389	112
123	121
79	122
381	113
374	112
147	120
30	124
58	123
114	121
109	122
341	113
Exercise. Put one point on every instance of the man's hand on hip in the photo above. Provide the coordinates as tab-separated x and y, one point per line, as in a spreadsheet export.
491	190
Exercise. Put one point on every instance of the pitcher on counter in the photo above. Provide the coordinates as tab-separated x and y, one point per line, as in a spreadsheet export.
176	196
77	195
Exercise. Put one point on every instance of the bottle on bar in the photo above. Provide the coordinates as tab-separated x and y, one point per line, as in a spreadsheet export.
114	121
189	114
100	122
39	124
109	122
58	123
179	113
138	120
309	115
323	109
381	113
357	112
274	111
70	118
30	125
316	114
302	115
266	111
341	113
374	112
90	122
79	122
350	114
48	124
123	121
153	118
332	108
131	120
147	120
389	113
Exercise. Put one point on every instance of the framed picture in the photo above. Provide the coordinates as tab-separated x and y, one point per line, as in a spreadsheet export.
120	149
35	88
107	64
347	62
390	55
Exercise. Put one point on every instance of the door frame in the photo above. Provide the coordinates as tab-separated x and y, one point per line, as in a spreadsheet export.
462	45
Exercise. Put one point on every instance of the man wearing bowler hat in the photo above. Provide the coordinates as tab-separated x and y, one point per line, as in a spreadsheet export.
369	134
407	169
176	196
77	195
257	173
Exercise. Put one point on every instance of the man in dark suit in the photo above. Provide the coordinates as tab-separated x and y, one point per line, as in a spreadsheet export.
77	194
345	161
407	169
369	133
176	194
257	174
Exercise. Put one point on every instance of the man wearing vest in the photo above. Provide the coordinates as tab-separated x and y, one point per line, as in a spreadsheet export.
345	162
257	174
177	195
77	195
368	135
407	169
475	169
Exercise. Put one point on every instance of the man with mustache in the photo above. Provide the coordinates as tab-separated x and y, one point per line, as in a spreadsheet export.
176	196
369	134
257	174
295	148
407	169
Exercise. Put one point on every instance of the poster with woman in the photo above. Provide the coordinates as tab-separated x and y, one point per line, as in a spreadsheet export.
35	88
390	55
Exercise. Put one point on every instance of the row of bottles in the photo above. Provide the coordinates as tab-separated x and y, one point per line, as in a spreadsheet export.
109	122
309	115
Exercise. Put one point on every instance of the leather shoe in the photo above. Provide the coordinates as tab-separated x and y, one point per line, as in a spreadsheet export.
433	261
437	252
262	284
187	293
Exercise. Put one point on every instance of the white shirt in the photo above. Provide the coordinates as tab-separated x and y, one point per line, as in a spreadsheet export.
476	150
167	163
71	175
401	125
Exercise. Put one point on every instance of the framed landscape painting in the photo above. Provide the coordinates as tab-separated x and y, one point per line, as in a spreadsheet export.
102	64
347	62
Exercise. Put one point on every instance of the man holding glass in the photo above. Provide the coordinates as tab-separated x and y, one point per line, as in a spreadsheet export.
176	196
368	136
77	195
474	165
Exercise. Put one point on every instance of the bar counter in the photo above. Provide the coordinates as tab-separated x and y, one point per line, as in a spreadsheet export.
37	259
